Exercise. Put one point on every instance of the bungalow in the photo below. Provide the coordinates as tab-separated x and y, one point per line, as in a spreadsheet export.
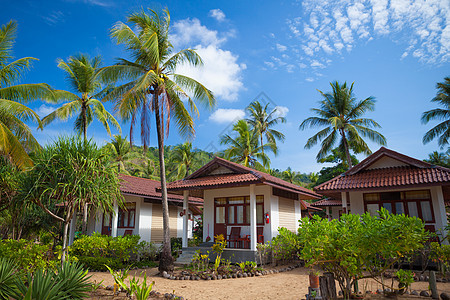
245	205
142	213
333	208
399	183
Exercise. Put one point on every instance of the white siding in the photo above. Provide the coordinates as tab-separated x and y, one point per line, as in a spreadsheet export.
286	210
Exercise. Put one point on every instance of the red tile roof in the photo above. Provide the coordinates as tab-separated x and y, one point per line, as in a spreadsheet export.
202	179
328	202
147	187
416	173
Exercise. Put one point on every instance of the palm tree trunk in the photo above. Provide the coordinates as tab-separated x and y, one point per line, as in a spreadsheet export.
83	113
347	151
85	217
262	148
166	261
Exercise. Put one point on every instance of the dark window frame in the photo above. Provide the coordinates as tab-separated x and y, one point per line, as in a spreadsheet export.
245	207
122	212
405	204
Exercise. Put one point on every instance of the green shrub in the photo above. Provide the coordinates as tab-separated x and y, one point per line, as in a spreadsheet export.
74	281
98	250
285	246
27	254
148	251
176	244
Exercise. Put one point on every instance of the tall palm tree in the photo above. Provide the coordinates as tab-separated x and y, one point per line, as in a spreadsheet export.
438	158
155	87
442	130
245	148
262	121
183	157
120	151
82	73
340	113
15	136
289	175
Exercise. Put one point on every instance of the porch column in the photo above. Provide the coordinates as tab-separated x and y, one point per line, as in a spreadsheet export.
115	218
442	212
185	218
253	237
72	227
327	209
344	202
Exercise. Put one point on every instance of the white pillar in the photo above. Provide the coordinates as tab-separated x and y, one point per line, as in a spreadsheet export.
185	218
115	218
440	207
72	227
344	202
253	237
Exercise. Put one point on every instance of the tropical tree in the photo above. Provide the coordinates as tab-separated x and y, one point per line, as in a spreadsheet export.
83	177
16	138
183	158
289	175
121	154
340	113
155	87
245	148
338	158
262	121
83	75
439	158
442	130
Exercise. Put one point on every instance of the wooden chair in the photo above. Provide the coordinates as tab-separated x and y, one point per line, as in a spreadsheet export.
260	234
128	232
233	237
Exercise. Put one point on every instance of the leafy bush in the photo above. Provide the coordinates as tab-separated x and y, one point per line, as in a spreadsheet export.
148	251
358	243
285	246
27	254
441	255
98	250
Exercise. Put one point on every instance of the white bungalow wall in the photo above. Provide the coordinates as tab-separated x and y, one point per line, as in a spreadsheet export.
271	206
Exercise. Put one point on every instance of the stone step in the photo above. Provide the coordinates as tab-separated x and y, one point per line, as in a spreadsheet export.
186	256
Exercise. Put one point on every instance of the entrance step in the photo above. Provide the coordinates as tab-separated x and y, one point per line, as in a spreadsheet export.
186	256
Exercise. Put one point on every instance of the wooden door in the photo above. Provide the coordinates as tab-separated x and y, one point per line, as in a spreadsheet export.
220	224
107	223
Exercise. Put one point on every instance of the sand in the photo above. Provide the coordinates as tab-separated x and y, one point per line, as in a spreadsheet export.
287	285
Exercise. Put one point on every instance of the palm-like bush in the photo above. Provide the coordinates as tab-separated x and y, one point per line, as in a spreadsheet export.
341	115
83	75
15	136
442	130
74	280
9	279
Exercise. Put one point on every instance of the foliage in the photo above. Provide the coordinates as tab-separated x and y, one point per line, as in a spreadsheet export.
27	255
16	137
83	177
245	148
441	255
439	159
285	246
218	247
148	251
341	166
83	75
261	120
119	277
405	279
355	243
341	115
248	266
8	279
97	250
442	130
200	261
176	244
264	250
140	290
69	281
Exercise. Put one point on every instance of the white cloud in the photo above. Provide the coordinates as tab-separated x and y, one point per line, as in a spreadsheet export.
423	27
317	64
281	111
217	14
281	48
45	110
309	79
227	115
221	71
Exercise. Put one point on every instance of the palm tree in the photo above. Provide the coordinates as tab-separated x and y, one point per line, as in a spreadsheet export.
155	88
120	151
289	175
438	158
262	121
15	136
82	73
245	148
442	114
183	157
340	113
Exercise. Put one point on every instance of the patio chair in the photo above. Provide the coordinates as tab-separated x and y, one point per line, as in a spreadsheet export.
128	232
233	237
260	234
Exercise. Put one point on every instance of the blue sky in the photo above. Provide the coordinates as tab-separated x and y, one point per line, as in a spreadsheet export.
276	51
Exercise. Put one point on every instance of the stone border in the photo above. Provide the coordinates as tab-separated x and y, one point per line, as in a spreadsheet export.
234	275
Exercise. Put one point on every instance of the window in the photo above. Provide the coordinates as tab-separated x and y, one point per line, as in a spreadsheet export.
126	216
412	203
236	210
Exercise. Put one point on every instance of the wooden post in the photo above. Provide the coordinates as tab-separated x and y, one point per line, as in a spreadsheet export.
433	287
327	286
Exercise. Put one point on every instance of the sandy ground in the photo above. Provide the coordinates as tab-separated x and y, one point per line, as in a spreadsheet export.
286	285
